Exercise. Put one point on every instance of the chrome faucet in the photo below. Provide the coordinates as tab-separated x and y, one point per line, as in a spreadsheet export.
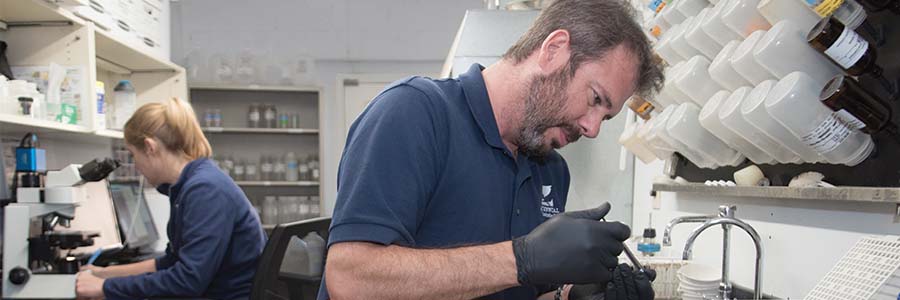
726	219
667	233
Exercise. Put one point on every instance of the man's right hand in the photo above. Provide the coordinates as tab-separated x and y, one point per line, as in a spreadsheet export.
573	247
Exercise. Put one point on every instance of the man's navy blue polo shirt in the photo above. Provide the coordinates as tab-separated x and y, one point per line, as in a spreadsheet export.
424	167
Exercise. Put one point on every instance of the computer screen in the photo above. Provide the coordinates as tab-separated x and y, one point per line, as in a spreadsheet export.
133	214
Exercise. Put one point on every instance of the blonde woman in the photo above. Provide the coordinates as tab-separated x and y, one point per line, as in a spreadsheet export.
215	237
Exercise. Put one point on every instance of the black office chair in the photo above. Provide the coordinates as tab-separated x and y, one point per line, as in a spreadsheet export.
269	282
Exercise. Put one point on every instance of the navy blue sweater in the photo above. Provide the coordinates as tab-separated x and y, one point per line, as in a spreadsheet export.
215	240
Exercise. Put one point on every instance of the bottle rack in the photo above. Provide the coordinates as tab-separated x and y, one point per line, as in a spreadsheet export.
875	180
881	169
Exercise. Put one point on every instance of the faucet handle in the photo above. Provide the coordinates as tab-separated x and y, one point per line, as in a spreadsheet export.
727	210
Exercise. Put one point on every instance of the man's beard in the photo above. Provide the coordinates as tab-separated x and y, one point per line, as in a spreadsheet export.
543	109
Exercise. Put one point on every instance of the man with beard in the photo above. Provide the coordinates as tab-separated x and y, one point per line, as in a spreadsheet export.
452	189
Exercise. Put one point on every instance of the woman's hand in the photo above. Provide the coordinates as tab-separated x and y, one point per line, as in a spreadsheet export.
97	271
88	286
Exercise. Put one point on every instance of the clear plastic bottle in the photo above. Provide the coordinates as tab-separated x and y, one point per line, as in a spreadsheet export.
266	168
270	210
304	207
284	120
314	168
292	168
217	117
126	101
316	249
254	116
304	171
314	207
228	165
252	171
240	170
279	167
270	116
208	118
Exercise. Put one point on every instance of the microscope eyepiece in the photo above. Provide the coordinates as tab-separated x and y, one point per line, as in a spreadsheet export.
97	169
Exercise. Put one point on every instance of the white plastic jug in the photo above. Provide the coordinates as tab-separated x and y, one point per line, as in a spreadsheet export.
731	117
794	102
709	119
754	110
316	251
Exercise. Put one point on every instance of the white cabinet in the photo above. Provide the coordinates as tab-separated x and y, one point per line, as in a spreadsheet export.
41	33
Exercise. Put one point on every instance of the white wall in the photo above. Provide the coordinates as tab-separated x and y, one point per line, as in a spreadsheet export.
802	240
341	36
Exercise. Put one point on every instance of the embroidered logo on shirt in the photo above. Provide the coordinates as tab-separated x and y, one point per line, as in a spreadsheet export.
547	208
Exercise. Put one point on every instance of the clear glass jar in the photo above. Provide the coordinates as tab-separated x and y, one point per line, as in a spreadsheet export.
254	116
270	115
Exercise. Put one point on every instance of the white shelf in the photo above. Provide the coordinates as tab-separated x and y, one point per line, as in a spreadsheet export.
126	52
13	11
253	87
843	193
261	130
21	124
277	183
110	133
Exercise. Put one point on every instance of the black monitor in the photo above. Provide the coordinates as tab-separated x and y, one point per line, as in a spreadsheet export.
133	214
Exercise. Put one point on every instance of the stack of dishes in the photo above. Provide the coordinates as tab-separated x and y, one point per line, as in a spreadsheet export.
698	282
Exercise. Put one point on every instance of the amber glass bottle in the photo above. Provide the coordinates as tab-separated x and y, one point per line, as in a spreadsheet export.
879	5
845	47
856	106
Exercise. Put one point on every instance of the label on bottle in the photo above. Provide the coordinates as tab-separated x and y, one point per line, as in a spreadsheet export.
239	170
830	134
254	116
850	119
267	168
848	48
270	115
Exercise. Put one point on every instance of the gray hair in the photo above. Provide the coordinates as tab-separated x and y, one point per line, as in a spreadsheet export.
595	27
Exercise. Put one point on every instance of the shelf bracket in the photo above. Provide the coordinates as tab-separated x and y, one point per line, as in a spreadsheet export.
40	23
3	26
897	214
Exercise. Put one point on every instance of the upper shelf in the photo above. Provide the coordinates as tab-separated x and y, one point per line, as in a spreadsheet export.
254	87
114	47
18	125
844	193
260	130
35	11
21	124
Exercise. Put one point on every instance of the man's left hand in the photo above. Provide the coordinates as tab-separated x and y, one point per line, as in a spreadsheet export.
88	286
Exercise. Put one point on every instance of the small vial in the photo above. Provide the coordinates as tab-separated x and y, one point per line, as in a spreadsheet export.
648	245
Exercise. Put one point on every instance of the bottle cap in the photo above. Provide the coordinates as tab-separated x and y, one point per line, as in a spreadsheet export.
649	232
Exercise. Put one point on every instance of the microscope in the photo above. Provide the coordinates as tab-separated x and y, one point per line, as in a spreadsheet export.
35	262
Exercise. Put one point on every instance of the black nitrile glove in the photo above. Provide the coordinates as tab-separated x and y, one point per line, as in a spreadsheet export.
573	247
594	291
628	284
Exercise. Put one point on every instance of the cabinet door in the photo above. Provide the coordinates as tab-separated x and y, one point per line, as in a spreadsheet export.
357	97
